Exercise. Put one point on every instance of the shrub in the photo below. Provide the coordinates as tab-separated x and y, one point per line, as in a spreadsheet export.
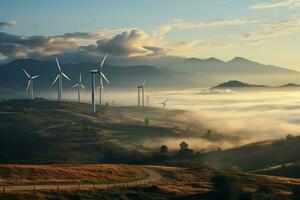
163	149
228	186
147	120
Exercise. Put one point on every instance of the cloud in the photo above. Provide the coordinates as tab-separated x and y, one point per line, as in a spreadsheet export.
88	45
269	30
217	45
276	4
128	43
182	24
7	23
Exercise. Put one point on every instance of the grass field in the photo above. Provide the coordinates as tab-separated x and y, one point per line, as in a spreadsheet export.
57	174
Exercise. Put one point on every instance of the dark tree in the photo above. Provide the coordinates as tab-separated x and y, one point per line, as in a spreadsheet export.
163	149
147	120
183	146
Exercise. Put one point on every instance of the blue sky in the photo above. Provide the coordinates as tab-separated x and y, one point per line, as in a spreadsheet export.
261	30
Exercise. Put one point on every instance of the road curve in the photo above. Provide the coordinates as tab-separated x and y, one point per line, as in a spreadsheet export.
152	177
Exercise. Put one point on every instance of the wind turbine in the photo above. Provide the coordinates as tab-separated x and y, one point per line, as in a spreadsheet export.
29	87
59	77
141	87
148	101
164	103
93	72
80	87
101	77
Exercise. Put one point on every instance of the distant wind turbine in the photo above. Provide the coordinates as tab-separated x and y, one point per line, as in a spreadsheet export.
29	87
101	77
59	77
141	87
80	87
148	101
164	103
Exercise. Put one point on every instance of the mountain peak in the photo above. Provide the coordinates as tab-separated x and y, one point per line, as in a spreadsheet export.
239	60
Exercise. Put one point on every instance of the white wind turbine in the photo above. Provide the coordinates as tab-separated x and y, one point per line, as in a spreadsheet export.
80	87
164	103
101	77
59	77
29	87
93	73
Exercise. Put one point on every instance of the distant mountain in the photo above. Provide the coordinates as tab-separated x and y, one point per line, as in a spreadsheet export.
237	65
120	76
235	84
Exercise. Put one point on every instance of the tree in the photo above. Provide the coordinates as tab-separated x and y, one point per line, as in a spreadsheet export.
163	149
183	146
147	120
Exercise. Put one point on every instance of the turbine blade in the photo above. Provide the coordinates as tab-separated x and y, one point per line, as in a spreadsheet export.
104	77
80	78
26	73
28	84
34	77
75	85
166	101
144	83
58	64
66	76
55	79
83	91
82	86
102	63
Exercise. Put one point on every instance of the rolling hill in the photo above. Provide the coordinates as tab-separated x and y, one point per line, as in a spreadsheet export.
256	156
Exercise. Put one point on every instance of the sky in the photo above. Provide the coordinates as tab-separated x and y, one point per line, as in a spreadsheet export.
266	31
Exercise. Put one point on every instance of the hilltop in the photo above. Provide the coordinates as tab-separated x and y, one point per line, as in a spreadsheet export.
239	84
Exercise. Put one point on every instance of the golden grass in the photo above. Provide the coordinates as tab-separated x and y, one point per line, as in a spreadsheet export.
39	174
187	181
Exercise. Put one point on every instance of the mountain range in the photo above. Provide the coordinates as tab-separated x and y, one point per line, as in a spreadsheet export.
159	73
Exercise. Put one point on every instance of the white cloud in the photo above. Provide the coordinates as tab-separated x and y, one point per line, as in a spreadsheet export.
276	4
269	30
182	24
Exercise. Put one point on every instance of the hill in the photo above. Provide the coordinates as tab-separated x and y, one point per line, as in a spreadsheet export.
236	84
256	156
239	84
51	132
67	174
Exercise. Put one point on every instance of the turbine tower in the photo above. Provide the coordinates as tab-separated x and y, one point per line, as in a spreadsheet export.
80	88
29	87
93	72
101	75
59	77
148	101
164	103
142	88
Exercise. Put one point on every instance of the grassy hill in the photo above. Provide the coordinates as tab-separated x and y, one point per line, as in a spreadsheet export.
44	131
257	155
64	174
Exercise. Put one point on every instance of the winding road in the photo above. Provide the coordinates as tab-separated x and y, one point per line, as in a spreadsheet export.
152	177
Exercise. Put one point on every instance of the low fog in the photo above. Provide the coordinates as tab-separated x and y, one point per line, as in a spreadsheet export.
255	115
